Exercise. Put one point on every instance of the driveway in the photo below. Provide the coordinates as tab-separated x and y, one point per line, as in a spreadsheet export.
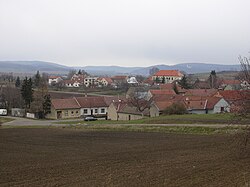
34	122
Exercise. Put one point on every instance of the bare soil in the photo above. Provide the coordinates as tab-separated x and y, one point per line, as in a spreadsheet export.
68	157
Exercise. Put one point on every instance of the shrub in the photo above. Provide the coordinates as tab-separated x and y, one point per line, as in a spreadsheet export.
175	108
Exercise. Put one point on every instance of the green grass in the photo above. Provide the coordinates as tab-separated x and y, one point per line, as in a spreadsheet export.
4	120
174	119
162	129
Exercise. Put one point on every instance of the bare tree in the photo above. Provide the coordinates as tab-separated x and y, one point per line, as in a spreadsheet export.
242	111
245	68
139	100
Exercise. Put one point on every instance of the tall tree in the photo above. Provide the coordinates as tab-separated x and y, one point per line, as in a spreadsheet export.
18	82
37	79
184	82
47	104
212	79
163	81
79	72
27	91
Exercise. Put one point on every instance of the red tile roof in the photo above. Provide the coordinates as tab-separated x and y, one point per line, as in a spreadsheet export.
174	73
65	103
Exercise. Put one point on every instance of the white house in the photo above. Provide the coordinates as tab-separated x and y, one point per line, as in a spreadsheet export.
167	76
90	81
54	79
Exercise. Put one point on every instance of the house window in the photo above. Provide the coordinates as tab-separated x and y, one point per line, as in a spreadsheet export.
72	112
85	111
76	112
96	110
103	110
66	113
222	109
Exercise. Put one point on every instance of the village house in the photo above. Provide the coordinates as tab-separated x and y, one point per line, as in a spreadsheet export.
90	81
71	84
64	108
105	81
125	111
167	76
92	106
157	93
54	80
78	107
119	80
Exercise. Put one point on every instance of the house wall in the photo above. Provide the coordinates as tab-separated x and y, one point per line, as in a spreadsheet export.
221	103
197	111
112	113
88	111
124	116
154	111
66	113
168	79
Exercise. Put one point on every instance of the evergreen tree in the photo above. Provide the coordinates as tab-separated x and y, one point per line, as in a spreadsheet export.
184	83
37	79
163	81
18	82
157	79
46	104
79	72
27	91
212	79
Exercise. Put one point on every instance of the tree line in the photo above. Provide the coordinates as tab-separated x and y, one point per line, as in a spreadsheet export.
30	93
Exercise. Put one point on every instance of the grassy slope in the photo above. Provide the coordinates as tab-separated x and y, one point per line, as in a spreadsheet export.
174	119
4	120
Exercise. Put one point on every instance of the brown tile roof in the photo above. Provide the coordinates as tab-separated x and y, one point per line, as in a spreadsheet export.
108	79
200	92
65	103
91	102
233	95
162	92
167	86
162	105
54	77
174	73
119	77
128	109
211	101
196	104
113	99
231	82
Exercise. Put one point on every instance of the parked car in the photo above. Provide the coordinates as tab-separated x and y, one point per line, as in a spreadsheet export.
90	118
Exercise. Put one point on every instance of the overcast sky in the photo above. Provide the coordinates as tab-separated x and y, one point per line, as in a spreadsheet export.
124	32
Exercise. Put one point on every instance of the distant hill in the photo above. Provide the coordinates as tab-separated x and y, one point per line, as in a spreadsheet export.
53	68
32	66
190	68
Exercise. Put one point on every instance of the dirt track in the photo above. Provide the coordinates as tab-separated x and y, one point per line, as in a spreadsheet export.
37	157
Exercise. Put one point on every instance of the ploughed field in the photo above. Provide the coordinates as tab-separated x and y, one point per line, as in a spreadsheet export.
69	157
